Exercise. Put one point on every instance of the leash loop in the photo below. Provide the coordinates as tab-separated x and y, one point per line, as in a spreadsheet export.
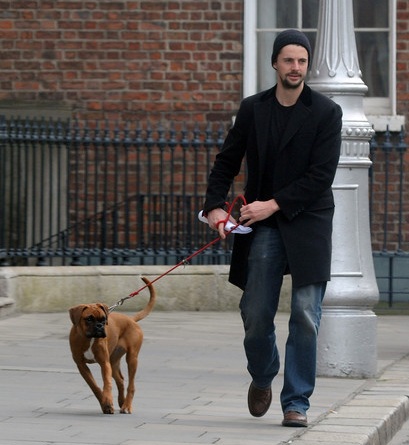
185	261
230	208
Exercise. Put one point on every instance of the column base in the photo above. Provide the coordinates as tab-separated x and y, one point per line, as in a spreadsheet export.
347	345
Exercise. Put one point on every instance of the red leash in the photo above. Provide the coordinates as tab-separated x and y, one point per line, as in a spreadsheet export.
230	208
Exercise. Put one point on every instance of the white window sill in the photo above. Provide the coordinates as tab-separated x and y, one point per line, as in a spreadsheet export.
380	122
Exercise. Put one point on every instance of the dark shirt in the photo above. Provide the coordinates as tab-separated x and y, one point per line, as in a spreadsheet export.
280	118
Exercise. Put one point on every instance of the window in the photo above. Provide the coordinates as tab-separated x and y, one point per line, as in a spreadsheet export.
374	22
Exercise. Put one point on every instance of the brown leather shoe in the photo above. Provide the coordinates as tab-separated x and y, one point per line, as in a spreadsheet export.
294	419
259	400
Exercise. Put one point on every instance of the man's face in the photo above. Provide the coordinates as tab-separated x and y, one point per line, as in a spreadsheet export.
291	66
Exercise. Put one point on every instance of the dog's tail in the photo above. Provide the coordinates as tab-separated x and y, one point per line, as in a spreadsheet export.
149	306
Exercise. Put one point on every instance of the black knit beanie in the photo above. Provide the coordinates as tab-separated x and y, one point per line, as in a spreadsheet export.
290	37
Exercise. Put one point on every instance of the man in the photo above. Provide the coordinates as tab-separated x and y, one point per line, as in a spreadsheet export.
291	137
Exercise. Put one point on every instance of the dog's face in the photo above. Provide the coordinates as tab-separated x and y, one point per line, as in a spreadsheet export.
91	318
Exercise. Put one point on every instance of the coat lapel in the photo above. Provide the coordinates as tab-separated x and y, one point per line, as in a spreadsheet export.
262	119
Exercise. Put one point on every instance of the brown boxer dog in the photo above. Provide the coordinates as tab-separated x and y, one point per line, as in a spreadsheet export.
99	337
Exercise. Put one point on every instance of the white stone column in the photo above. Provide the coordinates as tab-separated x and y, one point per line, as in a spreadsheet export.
347	344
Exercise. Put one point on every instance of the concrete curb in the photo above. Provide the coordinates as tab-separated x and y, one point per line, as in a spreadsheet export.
7	306
372	416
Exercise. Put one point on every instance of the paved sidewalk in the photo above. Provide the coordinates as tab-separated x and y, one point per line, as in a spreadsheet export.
191	388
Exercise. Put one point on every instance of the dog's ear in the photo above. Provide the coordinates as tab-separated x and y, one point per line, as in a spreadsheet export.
105	308
76	312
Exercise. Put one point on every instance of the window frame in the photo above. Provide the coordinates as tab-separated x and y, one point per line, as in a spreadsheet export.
382	110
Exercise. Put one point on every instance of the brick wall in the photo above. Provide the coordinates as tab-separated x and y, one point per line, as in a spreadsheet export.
124	60
179	60
398	161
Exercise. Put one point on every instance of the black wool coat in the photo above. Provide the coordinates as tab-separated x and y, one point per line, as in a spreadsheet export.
303	173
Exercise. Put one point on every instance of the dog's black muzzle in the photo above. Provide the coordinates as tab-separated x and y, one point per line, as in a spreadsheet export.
97	330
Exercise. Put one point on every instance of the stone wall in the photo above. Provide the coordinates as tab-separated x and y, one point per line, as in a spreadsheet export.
55	289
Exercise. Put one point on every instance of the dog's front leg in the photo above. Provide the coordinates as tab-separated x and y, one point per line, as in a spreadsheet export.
107	402
103	396
89	378
102	358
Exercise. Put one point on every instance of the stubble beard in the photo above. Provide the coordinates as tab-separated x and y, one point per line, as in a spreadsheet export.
291	85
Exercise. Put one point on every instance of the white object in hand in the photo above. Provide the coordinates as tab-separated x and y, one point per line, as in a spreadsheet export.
228	226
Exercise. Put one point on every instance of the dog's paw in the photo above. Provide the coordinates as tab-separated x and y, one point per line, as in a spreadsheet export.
108	409
126	410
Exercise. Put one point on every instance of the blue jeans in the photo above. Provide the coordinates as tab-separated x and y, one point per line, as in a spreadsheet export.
266	266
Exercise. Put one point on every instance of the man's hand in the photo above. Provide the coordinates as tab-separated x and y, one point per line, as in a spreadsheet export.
217	215
257	211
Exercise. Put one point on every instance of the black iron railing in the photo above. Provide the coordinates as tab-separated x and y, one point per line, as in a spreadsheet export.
81	195
388	199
